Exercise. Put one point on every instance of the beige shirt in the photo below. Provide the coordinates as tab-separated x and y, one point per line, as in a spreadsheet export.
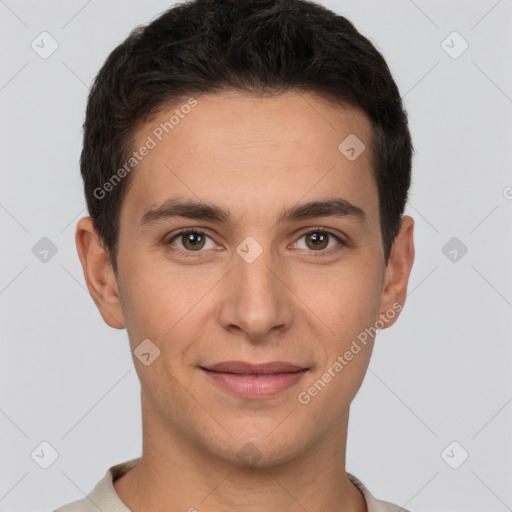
104	497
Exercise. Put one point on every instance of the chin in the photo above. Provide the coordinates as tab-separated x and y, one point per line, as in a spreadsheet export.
263	448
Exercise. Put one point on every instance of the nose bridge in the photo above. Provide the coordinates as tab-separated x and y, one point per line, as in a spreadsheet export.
256	299
255	268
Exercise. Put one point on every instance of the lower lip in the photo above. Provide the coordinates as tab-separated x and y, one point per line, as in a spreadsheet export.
256	386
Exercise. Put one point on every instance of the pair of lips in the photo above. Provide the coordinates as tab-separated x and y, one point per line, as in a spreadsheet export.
243	368
254	381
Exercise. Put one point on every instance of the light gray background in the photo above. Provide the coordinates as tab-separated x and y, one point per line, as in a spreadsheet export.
441	374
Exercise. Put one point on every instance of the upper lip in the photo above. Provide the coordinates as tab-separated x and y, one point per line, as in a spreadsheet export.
243	368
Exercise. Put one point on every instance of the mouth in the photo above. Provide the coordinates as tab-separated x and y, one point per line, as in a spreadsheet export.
253	381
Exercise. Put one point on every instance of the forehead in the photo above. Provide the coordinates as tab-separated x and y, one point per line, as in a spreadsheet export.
246	151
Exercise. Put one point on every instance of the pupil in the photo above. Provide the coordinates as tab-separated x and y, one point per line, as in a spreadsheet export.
190	239
318	239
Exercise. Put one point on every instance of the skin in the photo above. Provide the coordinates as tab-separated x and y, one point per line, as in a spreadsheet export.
253	156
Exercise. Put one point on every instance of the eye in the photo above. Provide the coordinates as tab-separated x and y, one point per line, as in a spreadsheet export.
318	240
192	240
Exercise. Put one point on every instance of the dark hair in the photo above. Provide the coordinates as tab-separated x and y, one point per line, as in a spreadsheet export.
254	46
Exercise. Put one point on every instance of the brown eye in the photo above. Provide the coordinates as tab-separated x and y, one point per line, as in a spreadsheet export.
192	240
319	240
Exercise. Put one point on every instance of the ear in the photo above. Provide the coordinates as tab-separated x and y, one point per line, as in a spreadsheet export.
98	273
397	273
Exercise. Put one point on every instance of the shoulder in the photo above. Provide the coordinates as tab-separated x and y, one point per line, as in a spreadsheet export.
77	506
103	497
373	504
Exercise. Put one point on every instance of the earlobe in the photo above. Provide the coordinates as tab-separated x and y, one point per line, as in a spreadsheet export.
98	273
397	273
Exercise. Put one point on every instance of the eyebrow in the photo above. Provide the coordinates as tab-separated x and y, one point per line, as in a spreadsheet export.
177	207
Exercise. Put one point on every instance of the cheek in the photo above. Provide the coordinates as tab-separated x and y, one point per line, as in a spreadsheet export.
350	312
345	300
162	303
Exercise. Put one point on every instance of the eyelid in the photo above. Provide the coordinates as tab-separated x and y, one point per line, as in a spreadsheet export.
182	232
342	242
316	229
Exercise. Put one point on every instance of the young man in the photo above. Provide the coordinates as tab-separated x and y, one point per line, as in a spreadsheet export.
246	168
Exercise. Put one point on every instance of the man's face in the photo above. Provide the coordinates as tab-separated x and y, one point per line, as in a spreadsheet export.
251	287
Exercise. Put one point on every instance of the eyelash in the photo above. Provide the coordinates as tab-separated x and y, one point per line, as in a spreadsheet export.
185	231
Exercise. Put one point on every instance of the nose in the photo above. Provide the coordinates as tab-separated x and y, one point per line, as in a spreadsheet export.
256	299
